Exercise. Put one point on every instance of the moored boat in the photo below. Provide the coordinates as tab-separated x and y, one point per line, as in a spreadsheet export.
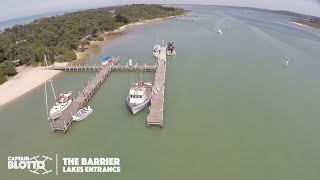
139	96
82	113
63	104
63	97
171	50
106	60
156	51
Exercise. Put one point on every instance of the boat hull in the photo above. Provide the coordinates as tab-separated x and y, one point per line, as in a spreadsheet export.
169	53
137	108
57	114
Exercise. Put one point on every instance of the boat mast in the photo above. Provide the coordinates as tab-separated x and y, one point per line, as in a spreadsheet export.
157	39
45	87
46	94
54	94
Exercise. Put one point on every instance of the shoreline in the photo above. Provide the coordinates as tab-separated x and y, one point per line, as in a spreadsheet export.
27	79
299	24
110	35
30	78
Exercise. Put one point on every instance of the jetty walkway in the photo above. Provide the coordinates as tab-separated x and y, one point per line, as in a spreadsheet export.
155	116
114	67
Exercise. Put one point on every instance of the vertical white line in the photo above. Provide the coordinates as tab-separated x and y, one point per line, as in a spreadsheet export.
56	164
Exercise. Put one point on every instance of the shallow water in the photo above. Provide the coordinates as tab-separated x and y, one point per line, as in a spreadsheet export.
232	110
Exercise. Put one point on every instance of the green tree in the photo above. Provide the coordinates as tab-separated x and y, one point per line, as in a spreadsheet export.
8	69
3	79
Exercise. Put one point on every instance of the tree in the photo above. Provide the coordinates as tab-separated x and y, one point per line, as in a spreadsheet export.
3	79
121	19
8	69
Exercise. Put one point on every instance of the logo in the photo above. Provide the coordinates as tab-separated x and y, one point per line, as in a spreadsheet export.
35	164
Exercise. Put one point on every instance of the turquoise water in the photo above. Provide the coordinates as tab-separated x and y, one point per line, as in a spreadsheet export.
232	110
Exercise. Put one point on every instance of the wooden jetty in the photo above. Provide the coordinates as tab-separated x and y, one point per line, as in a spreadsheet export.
65	120
155	116
117	67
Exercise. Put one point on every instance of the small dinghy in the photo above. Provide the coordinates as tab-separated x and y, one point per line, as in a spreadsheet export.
82	113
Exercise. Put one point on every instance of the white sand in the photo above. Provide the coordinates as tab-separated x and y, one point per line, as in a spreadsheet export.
301	24
26	80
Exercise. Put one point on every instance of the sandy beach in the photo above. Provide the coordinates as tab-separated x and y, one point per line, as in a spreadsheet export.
301	24
29	78
26	80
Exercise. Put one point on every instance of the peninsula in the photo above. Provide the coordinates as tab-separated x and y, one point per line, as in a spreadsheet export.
63	38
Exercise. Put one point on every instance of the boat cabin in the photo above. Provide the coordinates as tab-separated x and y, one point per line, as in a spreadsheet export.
156	48
137	95
170	46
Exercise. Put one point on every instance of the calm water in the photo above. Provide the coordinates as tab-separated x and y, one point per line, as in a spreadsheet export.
232	110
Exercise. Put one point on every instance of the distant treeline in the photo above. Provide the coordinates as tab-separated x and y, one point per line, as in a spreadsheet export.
61	36
281	12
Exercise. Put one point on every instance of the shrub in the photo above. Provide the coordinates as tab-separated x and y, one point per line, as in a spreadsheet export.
100	38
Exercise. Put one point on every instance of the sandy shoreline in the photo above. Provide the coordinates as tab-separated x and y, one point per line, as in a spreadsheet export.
29	78
301	24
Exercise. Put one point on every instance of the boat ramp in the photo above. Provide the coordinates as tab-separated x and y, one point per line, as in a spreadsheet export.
155	116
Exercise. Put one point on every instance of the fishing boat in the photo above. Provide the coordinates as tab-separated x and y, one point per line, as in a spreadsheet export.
139	96
82	113
170	49
106	60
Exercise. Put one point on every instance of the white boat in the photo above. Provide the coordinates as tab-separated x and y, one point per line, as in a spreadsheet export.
170	49
61	103
139	96
56	111
156	51
82	113
219	31
63	97
287	62
106	60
